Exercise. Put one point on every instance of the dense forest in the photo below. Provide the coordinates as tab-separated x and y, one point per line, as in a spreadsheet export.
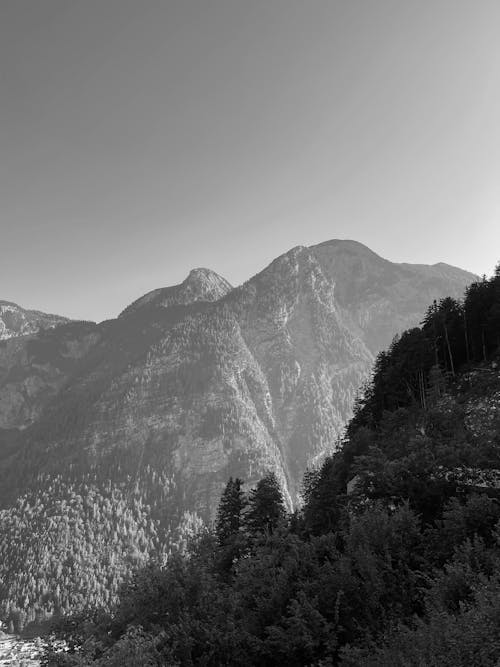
75	541
394	558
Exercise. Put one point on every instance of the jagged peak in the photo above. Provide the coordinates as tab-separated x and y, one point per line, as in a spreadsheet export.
205	276
201	284
204	284
202	271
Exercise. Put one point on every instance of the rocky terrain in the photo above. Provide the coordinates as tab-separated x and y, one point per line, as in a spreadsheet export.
16	652
191	384
16	321
392	559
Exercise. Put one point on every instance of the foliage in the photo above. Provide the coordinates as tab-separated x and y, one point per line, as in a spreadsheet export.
394	558
266	508
70	544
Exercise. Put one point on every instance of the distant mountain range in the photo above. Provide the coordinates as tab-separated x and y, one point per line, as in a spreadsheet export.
16	321
192	384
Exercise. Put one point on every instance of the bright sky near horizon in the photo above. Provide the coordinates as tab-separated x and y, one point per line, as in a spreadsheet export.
141	139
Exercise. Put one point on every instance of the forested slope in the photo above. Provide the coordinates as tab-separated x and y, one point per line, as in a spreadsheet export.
192	384
395	556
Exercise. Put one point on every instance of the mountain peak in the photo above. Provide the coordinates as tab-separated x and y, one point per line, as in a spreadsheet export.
201	284
346	247
205	277
204	284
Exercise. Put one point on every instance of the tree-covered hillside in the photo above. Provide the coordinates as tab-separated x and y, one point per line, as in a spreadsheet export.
69	543
191	385
394	558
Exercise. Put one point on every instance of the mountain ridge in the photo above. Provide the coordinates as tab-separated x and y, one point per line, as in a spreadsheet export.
163	404
212	286
18	321
298	331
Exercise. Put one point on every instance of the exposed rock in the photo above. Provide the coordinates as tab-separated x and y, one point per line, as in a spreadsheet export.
16	321
198	382
200	285
205	375
17	652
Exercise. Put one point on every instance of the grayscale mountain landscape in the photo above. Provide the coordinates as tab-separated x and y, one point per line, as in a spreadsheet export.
249	333
191	385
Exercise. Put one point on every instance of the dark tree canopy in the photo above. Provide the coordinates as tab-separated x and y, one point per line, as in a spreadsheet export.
394	558
230	512
266	506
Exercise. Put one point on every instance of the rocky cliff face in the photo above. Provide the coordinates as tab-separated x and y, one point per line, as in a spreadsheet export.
16	321
198	382
264	374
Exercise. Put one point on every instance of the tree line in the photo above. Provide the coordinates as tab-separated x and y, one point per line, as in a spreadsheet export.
394	558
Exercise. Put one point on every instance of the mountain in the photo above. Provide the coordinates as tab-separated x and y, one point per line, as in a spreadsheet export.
381	298
152	412
394	557
17	321
200	285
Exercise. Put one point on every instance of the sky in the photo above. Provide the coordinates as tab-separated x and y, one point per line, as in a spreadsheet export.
139	140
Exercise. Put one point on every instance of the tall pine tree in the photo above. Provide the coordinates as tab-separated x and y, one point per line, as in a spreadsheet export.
266	506
230	512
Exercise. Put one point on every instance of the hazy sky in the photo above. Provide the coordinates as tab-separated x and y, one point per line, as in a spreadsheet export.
141	138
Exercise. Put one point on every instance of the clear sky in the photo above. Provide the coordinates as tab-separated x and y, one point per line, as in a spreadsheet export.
140	139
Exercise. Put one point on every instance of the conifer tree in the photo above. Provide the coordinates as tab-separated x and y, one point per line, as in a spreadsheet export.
266	505
230	511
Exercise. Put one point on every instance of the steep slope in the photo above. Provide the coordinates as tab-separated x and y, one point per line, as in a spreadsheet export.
17	321
314	364
382	298
190	385
272	366
33	368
